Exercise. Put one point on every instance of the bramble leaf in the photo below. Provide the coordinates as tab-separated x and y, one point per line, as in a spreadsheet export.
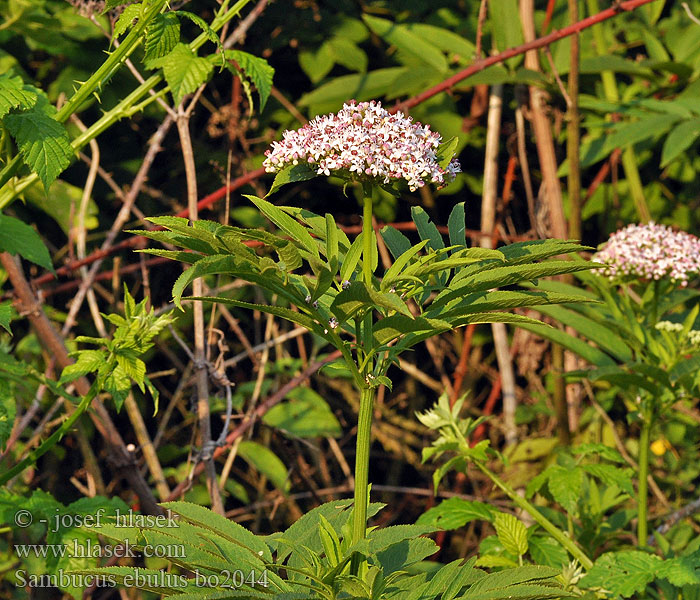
43	143
183	70
162	35
126	19
623	573
257	70
14	94
454	513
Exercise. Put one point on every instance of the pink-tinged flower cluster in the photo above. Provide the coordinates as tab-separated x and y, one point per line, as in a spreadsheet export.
651	251
366	140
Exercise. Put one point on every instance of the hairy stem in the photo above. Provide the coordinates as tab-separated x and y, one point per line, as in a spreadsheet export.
539	518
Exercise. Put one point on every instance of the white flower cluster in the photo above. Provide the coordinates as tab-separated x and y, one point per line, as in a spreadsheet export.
649	252
693	336
669	326
368	141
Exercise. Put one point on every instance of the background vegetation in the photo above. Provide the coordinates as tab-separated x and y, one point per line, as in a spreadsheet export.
584	147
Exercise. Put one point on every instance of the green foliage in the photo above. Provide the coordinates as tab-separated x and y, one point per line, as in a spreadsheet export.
20	238
305	414
183	70
315	552
116	362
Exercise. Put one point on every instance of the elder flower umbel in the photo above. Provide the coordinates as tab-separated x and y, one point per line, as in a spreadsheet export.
651	252
365	141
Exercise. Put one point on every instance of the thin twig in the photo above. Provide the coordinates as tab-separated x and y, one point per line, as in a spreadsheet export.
201	372
546	40
260	410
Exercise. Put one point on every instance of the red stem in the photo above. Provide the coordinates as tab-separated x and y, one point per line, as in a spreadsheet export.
555	36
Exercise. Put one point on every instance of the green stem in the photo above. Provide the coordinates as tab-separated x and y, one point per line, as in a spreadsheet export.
539	518
113	62
655	304
364	434
51	441
642	524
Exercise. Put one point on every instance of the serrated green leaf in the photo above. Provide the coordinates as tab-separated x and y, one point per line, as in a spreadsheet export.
266	462
43	143
183	70
14	94
294	229
133	367
257	69
611	475
203	26
426	228
162	35
357	296
623	573
17	237
396	241
126	19
199	515
565	485
547	551
681	570
88	361
511	533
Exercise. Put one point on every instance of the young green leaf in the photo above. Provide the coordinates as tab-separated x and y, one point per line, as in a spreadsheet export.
126	19
511	533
